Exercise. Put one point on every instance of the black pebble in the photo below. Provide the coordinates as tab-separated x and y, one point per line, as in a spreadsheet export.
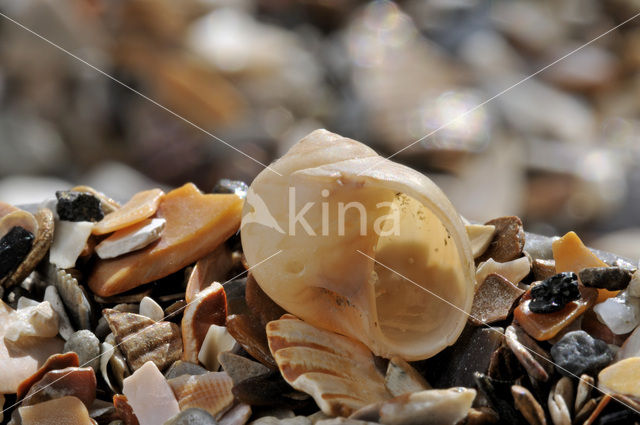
14	247
553	293
78	206
238	187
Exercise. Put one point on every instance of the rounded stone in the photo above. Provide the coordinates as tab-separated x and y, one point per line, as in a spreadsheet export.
192	416
87	346
578	352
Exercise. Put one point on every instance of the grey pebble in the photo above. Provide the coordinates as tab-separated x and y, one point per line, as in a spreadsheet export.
64	324
240	368
578	352
87	346
192	416
179	368
611	278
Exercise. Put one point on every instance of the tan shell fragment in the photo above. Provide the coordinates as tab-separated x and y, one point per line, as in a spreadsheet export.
210	391
141	339
140	207
41	244
338	372
480	236
371	275
514	271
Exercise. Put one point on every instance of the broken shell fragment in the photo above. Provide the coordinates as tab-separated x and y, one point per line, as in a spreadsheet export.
150	395
73	296
142	340
480	237
211	268
151	309
622	377
514	271
527	404
535	360
215	341
34	321
208	308
508	242
64	324
430	407
402	378
240	368
78	382
196	225
131	238
140	207
494	300
56	361
406	225
69	239
210	392
65	410
338	372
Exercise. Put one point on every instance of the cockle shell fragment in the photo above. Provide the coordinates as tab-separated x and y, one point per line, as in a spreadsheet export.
141	339
210	391
353	279
73	296
338	372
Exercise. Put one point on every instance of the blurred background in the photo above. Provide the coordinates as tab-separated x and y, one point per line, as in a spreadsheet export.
560	150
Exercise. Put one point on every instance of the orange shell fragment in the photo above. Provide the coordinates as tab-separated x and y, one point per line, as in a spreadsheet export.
65	410
571	255
196	225
140	207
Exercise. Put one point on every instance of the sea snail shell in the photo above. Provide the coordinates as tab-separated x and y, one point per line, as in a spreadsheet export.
335	206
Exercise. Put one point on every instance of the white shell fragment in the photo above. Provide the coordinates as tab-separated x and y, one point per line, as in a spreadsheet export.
430	407
634	285
151	309
26	302
34	321
348	233
402	378
69	239
338	372
215	342
621	313
106	352
630	347
150	396
131	239
480	236
514	271
64	324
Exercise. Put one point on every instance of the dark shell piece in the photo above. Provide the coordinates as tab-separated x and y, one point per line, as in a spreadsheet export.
78	206
251	335
508	242
611	278
14	248
240	368
260	304
41	245
268	389
554	293
56	361
499	395
78	382
237	187
124	410
235	292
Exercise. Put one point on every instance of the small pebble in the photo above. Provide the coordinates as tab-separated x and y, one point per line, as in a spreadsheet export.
611	278
192	416
554	293
240	368
14	247
508	242
78	206
621	313
180	368
270	420
151	309
577	353
87	346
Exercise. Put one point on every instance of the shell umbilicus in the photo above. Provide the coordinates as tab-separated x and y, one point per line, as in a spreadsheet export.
351	236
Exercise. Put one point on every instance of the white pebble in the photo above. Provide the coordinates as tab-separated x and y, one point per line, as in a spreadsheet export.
621	314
